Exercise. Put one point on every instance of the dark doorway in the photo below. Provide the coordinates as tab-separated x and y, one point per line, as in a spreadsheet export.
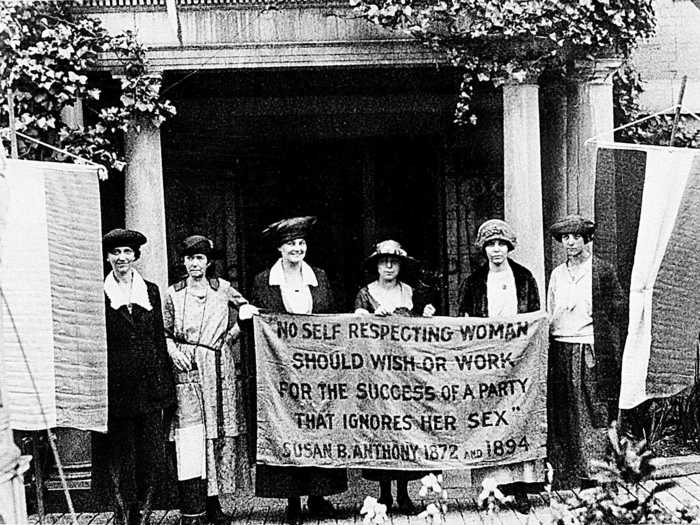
362	191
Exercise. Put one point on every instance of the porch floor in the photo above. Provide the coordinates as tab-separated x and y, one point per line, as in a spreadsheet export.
462	508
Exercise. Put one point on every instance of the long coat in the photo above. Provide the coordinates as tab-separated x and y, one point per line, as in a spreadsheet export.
474	298
286	482
608	319
474	302
140	378
140	386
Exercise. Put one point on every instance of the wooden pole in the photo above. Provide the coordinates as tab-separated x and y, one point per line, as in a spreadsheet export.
13	131
677	114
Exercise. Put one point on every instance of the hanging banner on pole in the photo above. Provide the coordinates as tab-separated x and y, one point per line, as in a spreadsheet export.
400	392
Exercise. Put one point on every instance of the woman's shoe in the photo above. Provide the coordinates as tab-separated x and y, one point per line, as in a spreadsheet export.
407	507
293	514
521	503
193	519
386	499
320	507
214	513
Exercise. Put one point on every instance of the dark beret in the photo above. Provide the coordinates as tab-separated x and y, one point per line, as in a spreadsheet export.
573	223
197	244
121	237
289	229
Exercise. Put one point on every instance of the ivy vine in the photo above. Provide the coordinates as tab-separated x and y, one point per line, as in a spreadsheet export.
501	41
48	49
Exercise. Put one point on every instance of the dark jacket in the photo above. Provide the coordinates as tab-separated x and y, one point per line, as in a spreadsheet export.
608	321
285	482
474	299
139	373
270	297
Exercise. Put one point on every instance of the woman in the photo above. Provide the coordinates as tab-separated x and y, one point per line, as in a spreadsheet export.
209	428
130	459
292	286
585	306
502	288
387	295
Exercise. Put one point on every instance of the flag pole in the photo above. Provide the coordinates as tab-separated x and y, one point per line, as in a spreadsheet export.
677	114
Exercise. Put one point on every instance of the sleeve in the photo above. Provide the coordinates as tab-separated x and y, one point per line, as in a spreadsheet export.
166	372
325	285
362	301
533	298
236	298
466	306
169	322
256	295
551	294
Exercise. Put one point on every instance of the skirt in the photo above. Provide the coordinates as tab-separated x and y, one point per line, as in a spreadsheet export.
578	416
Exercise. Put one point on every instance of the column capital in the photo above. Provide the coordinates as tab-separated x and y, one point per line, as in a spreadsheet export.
596	71
529	78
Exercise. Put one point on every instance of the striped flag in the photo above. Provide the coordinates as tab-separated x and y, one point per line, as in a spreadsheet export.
647	207
54	357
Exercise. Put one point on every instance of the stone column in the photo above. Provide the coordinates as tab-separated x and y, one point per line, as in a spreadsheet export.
589	113
553	100
522	172
144	199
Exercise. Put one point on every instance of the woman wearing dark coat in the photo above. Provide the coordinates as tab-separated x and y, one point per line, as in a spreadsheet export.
130	461
502	287
292	286
388	295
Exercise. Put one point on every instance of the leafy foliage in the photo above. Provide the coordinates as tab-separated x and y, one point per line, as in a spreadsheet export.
47	51
510	40
620	498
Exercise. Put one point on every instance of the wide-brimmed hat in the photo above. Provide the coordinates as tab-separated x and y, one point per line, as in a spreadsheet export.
495	229
573	223
289	229
389	248
198	244
121	237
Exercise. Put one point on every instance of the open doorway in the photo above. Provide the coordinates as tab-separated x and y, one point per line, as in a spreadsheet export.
362	190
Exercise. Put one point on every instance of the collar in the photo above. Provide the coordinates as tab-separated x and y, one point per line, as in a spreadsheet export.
585	268
277	274
138	294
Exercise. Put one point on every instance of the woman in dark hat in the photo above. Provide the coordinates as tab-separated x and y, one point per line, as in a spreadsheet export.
291	285
130	460
585	304
388	295
200	319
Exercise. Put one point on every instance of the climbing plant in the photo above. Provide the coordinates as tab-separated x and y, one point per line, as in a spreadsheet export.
48	50
509	40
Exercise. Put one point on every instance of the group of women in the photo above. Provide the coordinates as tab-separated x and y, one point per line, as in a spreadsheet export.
179	376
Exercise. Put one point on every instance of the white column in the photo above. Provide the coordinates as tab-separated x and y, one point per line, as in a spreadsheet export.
589	113
522	184
144	204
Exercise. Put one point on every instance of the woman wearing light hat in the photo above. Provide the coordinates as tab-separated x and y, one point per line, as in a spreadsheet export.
129	461
388	295
292	285
209	429
499	288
